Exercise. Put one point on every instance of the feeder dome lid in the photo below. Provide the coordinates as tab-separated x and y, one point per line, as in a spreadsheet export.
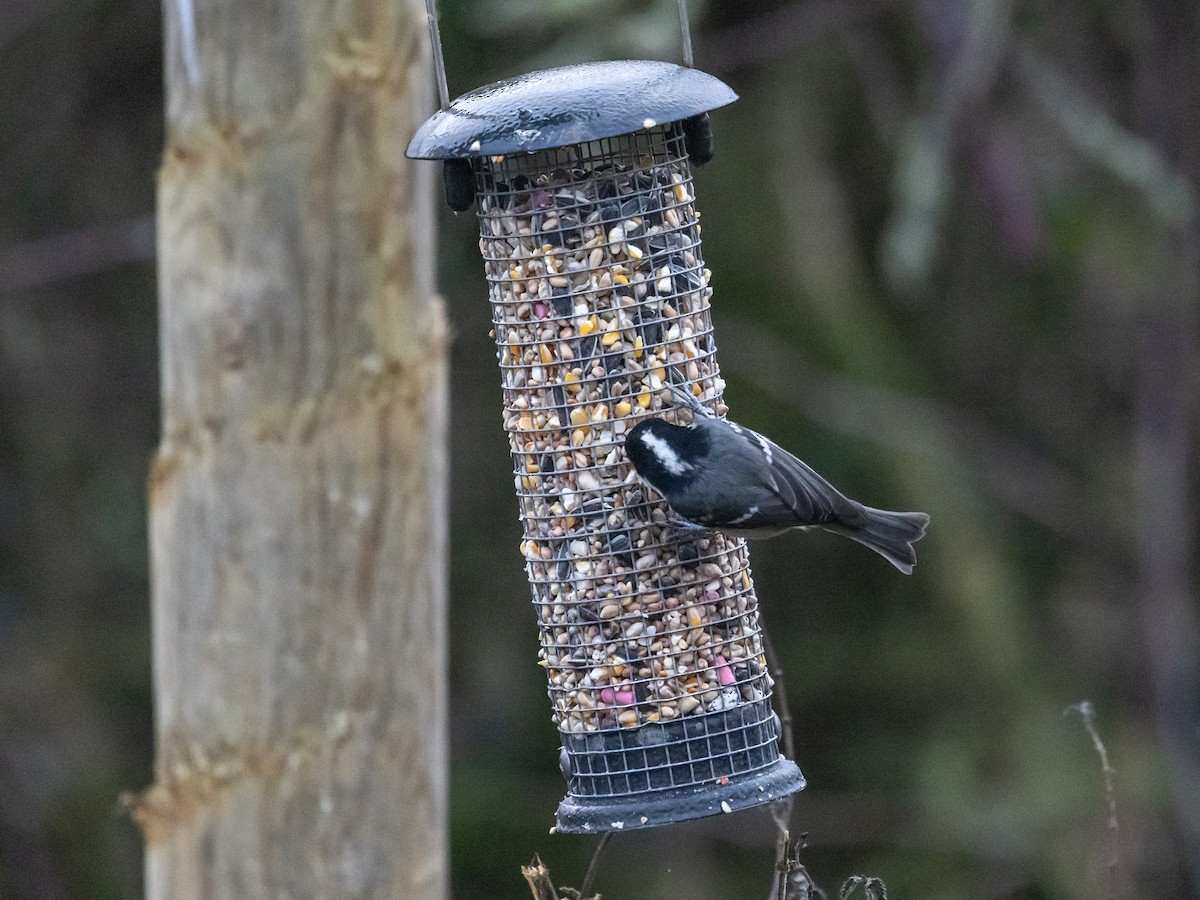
568	105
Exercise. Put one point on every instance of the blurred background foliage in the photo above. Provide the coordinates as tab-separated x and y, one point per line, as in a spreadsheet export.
956	266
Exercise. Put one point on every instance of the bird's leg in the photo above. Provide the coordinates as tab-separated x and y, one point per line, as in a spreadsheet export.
685	398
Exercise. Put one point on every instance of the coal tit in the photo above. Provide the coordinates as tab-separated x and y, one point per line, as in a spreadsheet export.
722	476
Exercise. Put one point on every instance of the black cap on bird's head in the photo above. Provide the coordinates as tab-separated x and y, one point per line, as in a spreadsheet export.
666	454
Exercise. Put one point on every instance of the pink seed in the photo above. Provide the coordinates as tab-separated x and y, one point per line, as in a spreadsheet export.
725	674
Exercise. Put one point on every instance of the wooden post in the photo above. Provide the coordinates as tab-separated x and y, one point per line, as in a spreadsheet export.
298	499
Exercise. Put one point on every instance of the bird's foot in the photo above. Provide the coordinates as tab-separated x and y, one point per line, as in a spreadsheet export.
684	527
684	397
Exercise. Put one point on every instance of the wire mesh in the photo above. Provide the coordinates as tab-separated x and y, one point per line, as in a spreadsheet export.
650	636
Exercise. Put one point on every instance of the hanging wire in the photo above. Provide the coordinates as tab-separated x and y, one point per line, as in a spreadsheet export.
687	34
439	61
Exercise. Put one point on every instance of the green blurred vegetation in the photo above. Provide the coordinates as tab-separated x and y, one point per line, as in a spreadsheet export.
955	265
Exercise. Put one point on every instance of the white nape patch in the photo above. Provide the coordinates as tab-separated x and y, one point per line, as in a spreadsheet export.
766	446
666	454
748	514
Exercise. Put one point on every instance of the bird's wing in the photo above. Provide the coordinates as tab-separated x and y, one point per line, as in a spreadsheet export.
797	494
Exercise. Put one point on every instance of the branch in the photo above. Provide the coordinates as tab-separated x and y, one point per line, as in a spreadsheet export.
1128	156
1020	478
74	254
758	40
923	178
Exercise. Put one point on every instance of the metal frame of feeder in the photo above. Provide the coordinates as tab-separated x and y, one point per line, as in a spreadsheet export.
600	300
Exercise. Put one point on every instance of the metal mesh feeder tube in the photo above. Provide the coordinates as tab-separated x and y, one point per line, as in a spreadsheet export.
650	635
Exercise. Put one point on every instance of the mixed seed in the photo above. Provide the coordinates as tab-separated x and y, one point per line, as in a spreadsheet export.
600	298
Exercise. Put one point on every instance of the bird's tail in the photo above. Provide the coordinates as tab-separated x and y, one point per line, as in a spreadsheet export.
890	534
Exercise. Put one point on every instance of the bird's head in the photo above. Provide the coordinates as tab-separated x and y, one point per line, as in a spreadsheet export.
665	454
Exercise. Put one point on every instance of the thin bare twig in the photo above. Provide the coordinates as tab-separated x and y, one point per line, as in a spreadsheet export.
785	712
792	881
781	810
594	865
782	31
76	253
1013	473
1088	715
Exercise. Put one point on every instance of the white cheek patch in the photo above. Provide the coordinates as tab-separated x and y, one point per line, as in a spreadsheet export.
666	454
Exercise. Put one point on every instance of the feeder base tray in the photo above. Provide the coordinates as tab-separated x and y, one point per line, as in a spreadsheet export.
594	815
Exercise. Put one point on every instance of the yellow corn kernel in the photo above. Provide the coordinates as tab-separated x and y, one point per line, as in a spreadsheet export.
644	399
547	356
610	338
579	416
587	326
623	408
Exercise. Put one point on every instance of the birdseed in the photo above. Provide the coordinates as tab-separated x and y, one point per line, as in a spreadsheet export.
600	297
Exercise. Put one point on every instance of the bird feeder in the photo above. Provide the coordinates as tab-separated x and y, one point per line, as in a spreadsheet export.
590	234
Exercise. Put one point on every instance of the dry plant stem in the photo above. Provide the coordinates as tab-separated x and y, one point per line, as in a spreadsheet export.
785	712
792	879
594	865
538	877
781	865
1088	715
781	810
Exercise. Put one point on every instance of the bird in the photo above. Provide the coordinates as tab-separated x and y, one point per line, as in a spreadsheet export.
720	476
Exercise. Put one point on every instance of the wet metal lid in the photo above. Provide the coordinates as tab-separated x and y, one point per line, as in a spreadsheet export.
567	105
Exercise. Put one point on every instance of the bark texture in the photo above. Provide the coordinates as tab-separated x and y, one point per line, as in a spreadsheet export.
298	498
